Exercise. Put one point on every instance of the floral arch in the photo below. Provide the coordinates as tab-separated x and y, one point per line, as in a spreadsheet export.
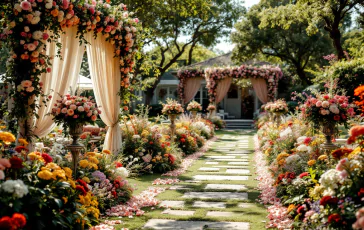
264	79
46	34
189	83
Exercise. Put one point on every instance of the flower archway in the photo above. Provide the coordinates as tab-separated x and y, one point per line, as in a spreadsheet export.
32	27
264	79
189	83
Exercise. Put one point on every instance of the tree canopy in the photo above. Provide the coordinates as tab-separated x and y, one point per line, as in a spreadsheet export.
330	13
293	47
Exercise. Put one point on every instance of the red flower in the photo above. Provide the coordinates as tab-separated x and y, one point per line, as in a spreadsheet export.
16	162
183	140
6	223
83	184
337	117
47	158
118	164
328	200
150	142
334	218
81	189
20	148
19	220
337	154
361	192
304	174
171	158
114	194
307	140
301	209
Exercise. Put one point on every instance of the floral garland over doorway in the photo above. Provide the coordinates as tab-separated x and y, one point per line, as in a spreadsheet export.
183	76
30	24
271	74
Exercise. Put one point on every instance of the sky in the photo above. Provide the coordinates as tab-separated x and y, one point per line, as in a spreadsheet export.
227	46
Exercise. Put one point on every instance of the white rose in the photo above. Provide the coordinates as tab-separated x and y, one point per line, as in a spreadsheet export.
49	5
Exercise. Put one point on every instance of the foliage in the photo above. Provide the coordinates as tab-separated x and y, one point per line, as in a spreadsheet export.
293	47
315	13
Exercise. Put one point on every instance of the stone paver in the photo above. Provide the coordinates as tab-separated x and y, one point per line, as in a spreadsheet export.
172	204
212	163
239	163
208	169
178	212
233	166
216	195
222	214
237	171
179	187
217	159
225	186
194	225
219	177
203	204
221	157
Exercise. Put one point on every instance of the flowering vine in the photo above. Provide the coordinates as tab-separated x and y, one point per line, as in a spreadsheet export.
183	75
30	24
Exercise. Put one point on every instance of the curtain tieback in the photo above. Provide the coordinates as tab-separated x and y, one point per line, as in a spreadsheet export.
115	124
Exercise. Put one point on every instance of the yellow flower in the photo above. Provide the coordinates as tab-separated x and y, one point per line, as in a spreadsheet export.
90	154
45	175
106	151
322	157
53	166
355	152
145	133
7	137
59	173
136	150
311	162
23	141
68	172
34	156
86	179
83	163
281	158
290	208
93	160
72	183
65	199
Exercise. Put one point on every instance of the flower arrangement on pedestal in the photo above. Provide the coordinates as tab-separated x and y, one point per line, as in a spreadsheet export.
194	107
71	111
278	107
172	107
327	110
211	108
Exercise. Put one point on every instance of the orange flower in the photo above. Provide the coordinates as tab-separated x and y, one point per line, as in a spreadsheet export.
54	13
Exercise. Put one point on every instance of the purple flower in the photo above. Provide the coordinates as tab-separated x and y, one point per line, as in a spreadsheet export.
99	175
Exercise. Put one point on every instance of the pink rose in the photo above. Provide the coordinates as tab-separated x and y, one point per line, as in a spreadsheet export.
93	117
81	108
64	110
73	107
70	112
75	116
45	36
30	89
89	114
25	5
26	83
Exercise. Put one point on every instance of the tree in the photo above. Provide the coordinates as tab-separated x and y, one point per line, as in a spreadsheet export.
331	13
175	27
293	47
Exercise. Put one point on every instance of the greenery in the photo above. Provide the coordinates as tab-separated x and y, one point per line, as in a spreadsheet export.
293	48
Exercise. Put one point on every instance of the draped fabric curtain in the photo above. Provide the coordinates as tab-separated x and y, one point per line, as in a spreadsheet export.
191	88
260	88
222	88
106	77
65	72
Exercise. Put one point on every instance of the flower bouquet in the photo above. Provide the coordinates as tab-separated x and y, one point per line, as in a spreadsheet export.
194	106
74	110
172	107
327	110
278	107
211	108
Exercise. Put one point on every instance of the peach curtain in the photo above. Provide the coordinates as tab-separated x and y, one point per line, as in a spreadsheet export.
65	72
191	88
222	88
106	77
260	88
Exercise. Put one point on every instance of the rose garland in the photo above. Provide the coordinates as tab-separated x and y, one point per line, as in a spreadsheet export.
183	75
25	30
271	74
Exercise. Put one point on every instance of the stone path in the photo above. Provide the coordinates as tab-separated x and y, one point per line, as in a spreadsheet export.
216	193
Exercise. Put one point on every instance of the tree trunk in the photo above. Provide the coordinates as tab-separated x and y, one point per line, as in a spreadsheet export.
190	53
335	35
302	75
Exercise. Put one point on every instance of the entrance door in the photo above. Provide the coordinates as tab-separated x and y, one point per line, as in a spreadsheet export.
232	102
